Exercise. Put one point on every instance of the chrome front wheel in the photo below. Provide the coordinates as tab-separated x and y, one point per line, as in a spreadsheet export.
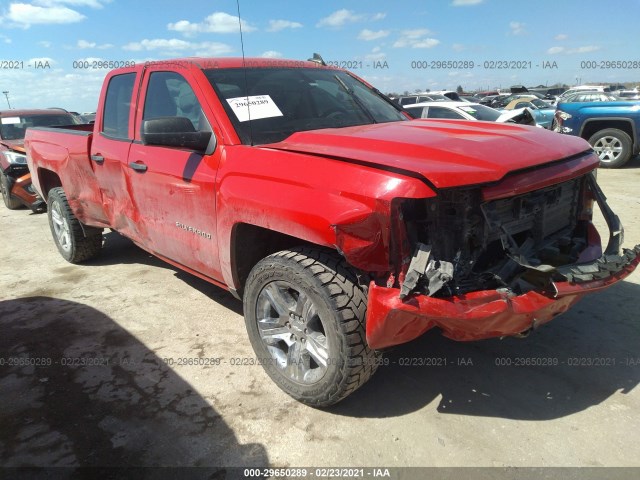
305	313
293	332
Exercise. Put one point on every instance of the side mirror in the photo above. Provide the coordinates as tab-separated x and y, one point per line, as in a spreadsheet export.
174	132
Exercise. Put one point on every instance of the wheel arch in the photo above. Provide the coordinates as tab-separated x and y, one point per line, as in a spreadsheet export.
251	243
47	180
592	126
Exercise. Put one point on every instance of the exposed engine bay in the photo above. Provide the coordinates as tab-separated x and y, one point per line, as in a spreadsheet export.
462	244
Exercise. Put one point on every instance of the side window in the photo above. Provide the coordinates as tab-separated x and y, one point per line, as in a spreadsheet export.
170	95
117	106
522	104
415	112
440	112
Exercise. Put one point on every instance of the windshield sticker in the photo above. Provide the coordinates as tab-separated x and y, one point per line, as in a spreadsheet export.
261	106
10	120
468	109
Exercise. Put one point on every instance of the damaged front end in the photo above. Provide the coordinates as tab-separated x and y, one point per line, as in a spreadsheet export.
485	267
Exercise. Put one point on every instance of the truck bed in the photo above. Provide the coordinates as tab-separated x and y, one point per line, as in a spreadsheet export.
65	151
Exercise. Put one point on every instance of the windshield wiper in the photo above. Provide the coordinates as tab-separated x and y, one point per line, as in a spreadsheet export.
353	95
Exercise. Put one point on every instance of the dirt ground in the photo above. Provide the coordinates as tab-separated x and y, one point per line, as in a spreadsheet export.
91	374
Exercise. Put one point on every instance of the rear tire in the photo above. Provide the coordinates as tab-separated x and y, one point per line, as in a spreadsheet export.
305	315
67	231
613	146
5	187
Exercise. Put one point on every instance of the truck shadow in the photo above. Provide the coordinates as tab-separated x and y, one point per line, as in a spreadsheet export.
583	357
80	391
118	249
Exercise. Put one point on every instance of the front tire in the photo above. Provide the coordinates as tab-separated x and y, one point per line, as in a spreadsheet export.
5	187
613	146
67	231
305	315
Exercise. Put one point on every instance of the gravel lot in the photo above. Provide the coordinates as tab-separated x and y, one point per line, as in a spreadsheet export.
116	328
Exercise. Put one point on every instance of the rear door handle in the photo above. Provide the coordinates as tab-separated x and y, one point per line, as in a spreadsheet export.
99	159
139	167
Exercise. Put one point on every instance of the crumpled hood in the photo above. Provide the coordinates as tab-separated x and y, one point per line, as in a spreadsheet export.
17	145
447	152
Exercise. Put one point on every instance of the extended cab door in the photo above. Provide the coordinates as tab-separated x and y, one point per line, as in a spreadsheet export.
173	187
110	150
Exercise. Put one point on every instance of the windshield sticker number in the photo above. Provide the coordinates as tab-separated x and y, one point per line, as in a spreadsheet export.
10	120
470	110
261	106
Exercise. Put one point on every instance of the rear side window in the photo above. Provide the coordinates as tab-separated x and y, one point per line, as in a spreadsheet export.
440	112
117	106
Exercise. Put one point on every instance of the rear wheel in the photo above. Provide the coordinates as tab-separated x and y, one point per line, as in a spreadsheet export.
5	187
67	231
305	311
613	146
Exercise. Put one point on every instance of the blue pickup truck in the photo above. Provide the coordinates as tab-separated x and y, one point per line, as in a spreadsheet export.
612	128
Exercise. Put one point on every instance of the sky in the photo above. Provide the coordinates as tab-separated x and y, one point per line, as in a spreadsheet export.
51	51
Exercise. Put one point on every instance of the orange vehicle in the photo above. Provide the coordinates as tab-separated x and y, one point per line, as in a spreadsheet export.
15	179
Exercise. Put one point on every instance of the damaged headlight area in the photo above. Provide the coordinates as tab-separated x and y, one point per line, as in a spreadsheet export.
461	243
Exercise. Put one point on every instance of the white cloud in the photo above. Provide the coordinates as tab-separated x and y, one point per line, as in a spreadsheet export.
41	60
376	54
369	35
45	44
561	36
571	51
83	44
465	3
458	47
77	91
218	22
5	39
277	25
75	3
271	54
25	15
517	28
585	49
416	39
175	45
342	17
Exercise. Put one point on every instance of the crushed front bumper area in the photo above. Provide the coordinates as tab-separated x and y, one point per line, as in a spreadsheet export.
399	315
484	314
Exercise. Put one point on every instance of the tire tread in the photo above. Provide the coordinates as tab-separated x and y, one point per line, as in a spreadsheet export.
349	299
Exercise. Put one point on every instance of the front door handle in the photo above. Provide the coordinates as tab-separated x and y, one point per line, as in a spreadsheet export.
139	167
99	159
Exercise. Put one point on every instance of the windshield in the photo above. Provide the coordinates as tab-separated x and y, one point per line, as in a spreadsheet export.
283	101
14	128
481	112
540	103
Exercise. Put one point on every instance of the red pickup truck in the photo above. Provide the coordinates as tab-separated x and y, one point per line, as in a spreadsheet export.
343	225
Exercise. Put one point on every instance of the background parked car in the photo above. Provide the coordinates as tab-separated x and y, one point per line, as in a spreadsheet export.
612	128
501	102
629	95
591	96
15	179
469	111
542	111
578	89
422	97
490	98
89	117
